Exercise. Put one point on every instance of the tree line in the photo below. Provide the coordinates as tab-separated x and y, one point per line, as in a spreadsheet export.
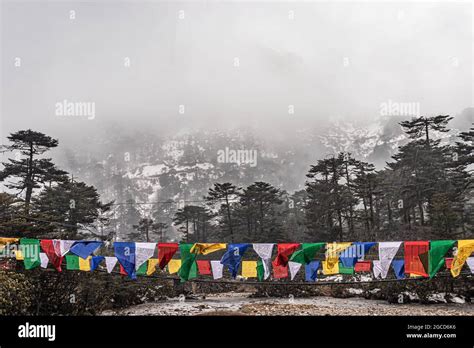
424	191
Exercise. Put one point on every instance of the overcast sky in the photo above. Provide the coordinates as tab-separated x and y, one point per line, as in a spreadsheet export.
232	63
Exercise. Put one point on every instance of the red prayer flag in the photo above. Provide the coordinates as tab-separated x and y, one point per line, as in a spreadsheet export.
413	264
122	270
280	272
284	252
165	253
363	266
448	261
48	247
204	267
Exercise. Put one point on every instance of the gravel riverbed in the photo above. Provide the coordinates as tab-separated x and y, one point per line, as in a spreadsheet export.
241	304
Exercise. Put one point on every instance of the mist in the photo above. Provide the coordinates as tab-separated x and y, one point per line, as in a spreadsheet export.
273	67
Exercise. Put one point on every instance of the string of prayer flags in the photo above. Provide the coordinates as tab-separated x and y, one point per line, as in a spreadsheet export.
438	249
413	263
173	266
217	269
95	261
311	271
110	262
233	257
166	252
307	253
204	267
387	251
294	267
465	249
264	251
284	251
83	249
48	247
152	263
249	269
143	251
72	262
399	268
188	259
30	249
125	254
207	248
85	264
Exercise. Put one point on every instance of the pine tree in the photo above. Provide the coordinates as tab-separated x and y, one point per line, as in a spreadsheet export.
222	195
67	208
30	172
193	221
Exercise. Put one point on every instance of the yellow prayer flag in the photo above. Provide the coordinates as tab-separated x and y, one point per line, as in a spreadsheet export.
19	255
85	264
207	248
174	265
330	267
465	249
152	263
249	269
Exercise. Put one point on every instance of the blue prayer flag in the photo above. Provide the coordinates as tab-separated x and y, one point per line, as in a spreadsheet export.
399	268
233	257
84	248
125	254
311	271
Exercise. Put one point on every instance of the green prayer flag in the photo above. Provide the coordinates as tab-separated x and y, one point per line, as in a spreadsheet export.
307	252
188	268
142	269
260	270
72	263
438	248
30	249
345	270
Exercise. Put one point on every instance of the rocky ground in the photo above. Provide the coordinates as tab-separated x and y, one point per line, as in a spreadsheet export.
236	303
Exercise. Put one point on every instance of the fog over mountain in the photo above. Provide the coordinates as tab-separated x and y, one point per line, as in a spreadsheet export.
172	84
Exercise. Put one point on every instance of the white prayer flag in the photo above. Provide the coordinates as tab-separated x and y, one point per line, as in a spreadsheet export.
377	268
44	260
62	247
217	268
470	263
110	262
294	268
264	250
387	251
143	251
